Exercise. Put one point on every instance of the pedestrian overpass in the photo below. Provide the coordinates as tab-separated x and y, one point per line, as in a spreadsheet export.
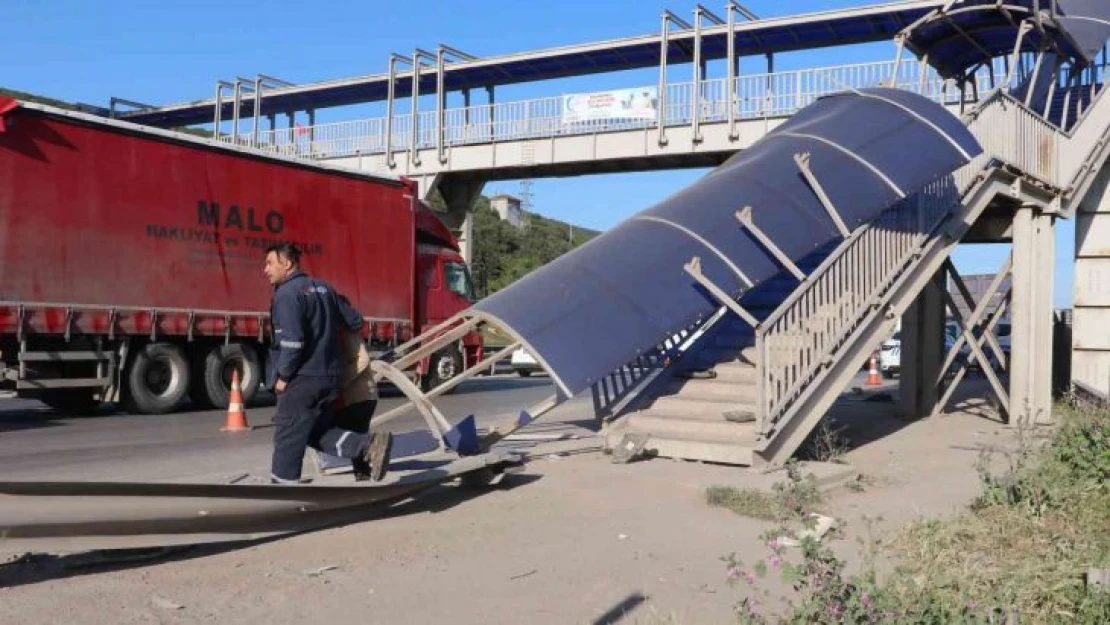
773	353
721	323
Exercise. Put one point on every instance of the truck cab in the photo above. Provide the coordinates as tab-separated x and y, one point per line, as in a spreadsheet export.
444	288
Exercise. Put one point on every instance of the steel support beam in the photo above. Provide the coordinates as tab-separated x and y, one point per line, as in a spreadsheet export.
391	104
992	340
987	330
1031	328
744	216
217	117
664	48
699	70
922	346
693	268
441	97
417	65
397	411
803	164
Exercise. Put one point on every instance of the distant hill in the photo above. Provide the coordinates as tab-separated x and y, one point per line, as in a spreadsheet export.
503	254
69	106
37	99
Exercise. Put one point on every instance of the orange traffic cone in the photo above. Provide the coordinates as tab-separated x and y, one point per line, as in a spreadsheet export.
236	415
873	378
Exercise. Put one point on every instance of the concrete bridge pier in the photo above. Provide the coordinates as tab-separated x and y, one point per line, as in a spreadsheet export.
1090	364
922	346
459	191
1032	317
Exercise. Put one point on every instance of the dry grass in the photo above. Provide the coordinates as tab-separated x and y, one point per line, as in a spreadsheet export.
791	499
827	443
1028	540
747	502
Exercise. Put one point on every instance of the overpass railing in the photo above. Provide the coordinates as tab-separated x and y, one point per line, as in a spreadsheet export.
757	96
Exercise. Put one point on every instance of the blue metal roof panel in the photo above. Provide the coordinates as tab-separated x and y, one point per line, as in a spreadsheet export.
971	31
1086	23
597	307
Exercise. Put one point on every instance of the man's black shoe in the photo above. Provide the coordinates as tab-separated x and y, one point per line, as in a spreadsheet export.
361	467
377	454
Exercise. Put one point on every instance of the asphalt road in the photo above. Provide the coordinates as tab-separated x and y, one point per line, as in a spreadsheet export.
37	443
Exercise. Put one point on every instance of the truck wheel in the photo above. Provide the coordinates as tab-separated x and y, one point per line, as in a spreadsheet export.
71	400
443	365
157	379
215	384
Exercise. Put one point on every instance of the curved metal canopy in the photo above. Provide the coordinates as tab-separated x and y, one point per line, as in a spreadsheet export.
599	306
969	32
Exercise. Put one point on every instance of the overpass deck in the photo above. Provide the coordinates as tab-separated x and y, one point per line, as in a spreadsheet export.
686	44
753	97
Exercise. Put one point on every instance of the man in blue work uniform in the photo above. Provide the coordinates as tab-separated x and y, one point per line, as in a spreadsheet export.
304	370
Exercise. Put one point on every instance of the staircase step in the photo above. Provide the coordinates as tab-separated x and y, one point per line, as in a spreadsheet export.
700	408
715	389
736	372
719	430
734	340
712	355
739	451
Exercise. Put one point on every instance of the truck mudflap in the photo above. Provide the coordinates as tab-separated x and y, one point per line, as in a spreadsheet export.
82	516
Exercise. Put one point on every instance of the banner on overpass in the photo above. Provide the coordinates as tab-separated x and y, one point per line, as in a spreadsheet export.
639	103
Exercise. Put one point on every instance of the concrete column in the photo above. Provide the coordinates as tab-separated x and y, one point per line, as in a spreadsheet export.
1031	338
1090	344
922	350
460	194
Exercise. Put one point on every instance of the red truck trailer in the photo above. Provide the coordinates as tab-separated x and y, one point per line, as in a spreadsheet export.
131	260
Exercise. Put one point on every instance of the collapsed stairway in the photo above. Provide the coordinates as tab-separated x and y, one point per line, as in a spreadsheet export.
705	405
726	417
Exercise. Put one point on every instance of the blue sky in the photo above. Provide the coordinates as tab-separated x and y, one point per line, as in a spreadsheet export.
164	52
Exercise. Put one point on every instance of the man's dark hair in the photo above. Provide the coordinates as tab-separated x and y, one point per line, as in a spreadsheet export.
288	251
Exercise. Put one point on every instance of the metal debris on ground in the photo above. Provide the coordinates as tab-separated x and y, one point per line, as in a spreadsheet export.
166	604
817	532
320	571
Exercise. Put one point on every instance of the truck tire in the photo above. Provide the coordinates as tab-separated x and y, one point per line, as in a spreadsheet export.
214	383
442	366
157	379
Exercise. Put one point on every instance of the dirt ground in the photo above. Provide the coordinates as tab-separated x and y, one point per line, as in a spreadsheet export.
575	539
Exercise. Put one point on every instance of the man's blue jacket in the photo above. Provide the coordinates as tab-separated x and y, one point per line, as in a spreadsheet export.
307	315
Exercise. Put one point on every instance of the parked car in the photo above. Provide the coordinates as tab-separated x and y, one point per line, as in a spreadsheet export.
890	352
523	363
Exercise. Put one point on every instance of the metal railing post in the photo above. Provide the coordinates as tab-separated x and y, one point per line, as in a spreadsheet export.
664	47
695	96
414	154
218	117
732	87
699	70
441	100
255	127
238	96
391	97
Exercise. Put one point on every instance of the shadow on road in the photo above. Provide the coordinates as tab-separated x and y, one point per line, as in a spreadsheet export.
19	414
37	568
618	612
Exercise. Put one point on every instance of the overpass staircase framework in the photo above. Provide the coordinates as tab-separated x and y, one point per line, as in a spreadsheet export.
751	392
747	385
